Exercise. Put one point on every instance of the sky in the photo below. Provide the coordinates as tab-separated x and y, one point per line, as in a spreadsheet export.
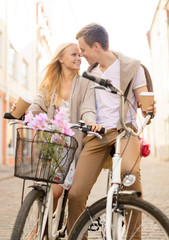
126	21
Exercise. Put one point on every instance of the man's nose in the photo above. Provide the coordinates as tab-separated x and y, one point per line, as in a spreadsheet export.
81	54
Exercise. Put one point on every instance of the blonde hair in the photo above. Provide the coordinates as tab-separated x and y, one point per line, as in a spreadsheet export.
53	74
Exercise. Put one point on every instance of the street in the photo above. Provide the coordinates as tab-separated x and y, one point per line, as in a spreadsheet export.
10	200
155	180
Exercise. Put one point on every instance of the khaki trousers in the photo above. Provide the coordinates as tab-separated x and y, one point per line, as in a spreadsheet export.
90	164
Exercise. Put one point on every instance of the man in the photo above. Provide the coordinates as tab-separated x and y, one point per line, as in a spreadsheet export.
128	75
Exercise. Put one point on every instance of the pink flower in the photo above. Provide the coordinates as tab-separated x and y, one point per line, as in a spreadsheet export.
58	123
69	132
144	148
28	117
41	118
55	138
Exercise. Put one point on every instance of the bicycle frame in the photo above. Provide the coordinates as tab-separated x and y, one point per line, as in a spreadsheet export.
116	169
53	221
53	232
126	204
48	214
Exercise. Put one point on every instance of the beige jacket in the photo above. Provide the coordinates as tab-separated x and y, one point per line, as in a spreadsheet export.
128	69
82	106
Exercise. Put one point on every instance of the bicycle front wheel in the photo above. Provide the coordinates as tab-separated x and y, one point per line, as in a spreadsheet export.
29	219
138	220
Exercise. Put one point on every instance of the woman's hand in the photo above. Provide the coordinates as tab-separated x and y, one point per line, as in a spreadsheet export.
13	106
95	127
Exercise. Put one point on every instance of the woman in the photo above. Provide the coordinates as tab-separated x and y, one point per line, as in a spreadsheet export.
62	86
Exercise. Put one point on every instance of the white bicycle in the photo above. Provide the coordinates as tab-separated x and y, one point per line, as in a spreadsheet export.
111	217
36	219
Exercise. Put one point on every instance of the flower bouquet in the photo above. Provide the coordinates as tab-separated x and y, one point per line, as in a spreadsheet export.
52	146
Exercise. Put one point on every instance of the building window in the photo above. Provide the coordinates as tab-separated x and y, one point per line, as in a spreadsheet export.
168	28
11	140
12	61
11	135
25	68
1	50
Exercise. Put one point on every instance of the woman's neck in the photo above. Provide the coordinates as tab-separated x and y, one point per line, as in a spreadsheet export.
68	76
66	83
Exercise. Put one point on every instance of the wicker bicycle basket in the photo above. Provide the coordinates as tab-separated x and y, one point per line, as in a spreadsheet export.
43	155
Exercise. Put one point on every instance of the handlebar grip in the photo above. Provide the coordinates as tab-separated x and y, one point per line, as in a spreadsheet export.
102	131
151	114
8	115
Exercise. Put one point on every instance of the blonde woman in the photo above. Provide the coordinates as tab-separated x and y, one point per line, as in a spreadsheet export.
62	86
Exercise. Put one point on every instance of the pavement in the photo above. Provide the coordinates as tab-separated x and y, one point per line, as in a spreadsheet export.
155	180
6	172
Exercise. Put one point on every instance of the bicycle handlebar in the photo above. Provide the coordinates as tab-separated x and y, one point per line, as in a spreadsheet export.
104	82
81	126
8	115
110	88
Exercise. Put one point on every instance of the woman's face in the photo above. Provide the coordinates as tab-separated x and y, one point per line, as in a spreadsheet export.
71	57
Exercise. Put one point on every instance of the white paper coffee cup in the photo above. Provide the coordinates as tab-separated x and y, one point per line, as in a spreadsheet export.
146	98
22	105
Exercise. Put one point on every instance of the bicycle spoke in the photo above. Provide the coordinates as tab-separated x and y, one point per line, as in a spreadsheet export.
31	230
134	220
29	220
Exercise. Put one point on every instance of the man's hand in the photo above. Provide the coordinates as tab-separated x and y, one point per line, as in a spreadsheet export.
152	108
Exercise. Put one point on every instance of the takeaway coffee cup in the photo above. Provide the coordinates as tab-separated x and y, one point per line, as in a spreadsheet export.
146	98
22	105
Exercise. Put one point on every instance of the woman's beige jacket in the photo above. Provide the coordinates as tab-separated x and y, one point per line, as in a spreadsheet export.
82	106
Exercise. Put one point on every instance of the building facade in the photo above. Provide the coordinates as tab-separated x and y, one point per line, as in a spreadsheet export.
159	50
24	48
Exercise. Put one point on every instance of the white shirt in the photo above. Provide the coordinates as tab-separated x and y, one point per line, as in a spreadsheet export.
107	104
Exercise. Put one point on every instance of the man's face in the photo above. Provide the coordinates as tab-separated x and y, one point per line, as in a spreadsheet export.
89	53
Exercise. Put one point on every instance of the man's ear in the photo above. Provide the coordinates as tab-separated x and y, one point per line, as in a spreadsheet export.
97	45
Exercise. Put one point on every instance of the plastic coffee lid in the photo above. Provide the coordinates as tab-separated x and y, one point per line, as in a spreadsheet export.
27	98
147	93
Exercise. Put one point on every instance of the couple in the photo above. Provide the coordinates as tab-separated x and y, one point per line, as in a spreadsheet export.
62	86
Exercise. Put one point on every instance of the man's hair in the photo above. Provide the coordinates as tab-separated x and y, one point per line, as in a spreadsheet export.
94	33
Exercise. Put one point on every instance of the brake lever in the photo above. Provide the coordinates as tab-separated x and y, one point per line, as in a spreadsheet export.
17	122
95	134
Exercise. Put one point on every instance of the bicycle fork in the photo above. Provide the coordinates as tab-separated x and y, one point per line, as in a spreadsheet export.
45	211
114	189
109	211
